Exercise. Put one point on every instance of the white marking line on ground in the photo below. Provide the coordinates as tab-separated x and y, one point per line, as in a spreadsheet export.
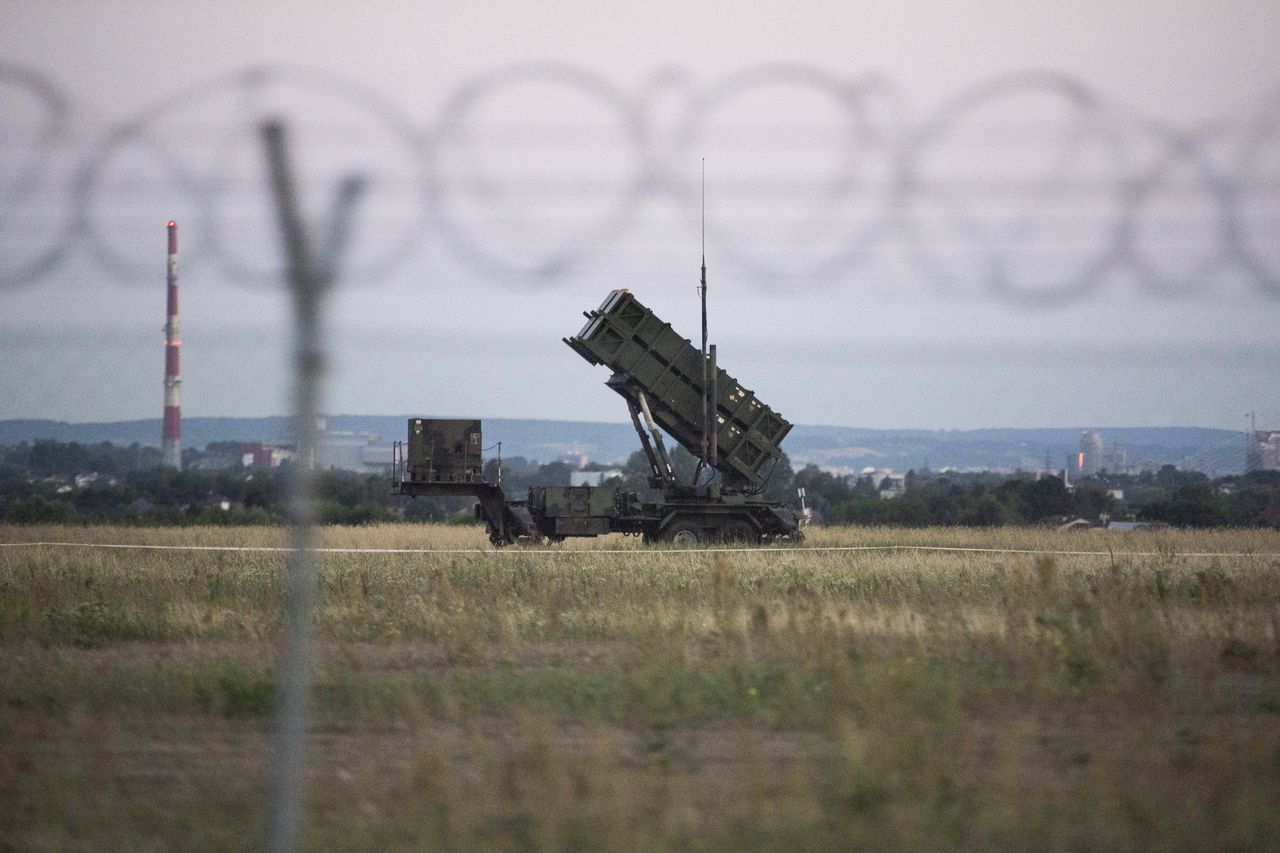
657	551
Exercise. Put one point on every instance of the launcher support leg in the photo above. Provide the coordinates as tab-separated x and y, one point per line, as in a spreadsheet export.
669	472
655	472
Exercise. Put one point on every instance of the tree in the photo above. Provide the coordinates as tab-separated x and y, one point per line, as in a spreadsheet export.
1092	502
554	474
635	473
37	509
1190	506
780	485
1249	505
1043	498
1171	478
53	457
986	511
823	491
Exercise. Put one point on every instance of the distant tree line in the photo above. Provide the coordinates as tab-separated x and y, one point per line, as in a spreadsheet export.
978	500
57	482
50	481
1169	496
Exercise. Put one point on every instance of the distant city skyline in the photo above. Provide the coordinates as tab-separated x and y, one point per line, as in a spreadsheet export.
836	449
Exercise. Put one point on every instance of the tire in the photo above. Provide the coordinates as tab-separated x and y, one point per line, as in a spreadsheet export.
683	533
735	531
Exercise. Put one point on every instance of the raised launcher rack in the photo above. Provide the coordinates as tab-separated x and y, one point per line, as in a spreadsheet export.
648	357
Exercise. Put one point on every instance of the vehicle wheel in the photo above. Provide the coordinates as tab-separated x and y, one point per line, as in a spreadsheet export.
683	533
738	532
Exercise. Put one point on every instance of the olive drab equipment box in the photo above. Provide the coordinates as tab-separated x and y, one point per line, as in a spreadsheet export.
445	451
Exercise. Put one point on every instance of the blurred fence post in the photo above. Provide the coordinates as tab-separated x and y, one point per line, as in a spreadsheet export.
310	279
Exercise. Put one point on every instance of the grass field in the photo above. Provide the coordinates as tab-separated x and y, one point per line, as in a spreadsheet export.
651	700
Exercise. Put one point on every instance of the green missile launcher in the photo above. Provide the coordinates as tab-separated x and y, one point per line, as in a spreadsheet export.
667	386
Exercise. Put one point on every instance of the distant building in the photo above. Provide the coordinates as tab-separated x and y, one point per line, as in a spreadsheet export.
1090	461
576	459
350	451
888	483
1116	461
1126	526
222	459
893	486
1264	451
257	454
592	478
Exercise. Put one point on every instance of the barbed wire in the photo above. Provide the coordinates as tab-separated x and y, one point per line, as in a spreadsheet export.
1032	187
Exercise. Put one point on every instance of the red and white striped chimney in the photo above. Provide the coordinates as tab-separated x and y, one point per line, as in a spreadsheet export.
171	442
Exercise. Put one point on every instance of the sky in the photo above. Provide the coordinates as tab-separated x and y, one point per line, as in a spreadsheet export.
917	215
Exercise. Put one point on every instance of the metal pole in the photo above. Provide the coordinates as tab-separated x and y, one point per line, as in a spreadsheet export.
714	454
702	290
309	283
669	474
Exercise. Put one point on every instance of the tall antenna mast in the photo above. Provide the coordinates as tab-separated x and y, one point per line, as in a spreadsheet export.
702	290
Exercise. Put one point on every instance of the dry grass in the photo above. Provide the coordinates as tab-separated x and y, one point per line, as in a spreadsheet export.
656	700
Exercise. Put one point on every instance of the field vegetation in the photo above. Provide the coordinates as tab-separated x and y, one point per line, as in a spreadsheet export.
601	696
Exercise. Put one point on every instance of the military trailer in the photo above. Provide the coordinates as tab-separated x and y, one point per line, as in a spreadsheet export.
668	385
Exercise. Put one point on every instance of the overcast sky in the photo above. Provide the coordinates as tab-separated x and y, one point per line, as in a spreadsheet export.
938	215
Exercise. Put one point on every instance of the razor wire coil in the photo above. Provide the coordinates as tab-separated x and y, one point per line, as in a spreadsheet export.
520	191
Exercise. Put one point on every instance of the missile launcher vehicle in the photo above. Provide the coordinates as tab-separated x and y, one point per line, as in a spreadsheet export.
668	385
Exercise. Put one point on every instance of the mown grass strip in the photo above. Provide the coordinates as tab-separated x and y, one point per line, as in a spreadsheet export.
768	549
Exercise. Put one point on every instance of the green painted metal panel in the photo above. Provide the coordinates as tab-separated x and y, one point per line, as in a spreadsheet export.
445	451
648	356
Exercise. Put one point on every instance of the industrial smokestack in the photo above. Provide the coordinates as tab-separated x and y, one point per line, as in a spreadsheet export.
171	441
